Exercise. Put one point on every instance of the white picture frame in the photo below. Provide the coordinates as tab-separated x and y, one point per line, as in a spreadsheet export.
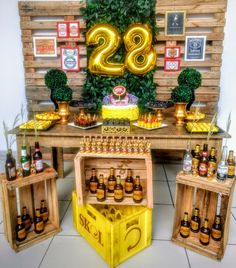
45	46
195	47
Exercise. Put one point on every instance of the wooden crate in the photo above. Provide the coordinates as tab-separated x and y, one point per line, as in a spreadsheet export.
117	240
201	193
32	190
140	164
204	17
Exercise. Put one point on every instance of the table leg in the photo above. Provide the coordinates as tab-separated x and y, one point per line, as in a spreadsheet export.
57	161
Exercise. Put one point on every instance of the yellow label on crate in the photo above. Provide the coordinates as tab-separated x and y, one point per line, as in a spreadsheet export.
184	230
118	194
138	195
205	238
216	233
194	225
22	233
39	226
129	186
100	193
93	186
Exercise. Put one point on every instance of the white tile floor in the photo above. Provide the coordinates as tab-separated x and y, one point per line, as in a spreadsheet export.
69	249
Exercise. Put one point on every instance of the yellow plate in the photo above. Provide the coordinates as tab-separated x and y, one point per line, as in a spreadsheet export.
48	116
200	127
39	124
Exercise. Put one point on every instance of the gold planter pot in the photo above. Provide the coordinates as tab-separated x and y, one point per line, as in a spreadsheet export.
180	113
64	111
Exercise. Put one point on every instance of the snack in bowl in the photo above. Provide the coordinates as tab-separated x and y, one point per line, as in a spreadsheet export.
38	124
192	116
48	116
200	127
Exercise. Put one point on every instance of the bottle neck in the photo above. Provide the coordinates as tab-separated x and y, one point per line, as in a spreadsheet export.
93	172
118	180
19	221
101	179
111	172
217	221
206	223
137	181
129	173
37	213
185	216
196	212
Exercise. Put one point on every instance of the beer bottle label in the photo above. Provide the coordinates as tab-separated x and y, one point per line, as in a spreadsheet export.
194	225
138	195
12	172
195	162
39	226
44	216
203	169
184	230
100	193
231	170
21	233
129	186
27	223
212	166
26	165
187	165
39	164
93	186
111	185
205	238
118	194
216	233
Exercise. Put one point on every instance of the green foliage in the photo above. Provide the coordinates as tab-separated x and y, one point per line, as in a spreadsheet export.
190	77
55	78
63	93
181	93
120	14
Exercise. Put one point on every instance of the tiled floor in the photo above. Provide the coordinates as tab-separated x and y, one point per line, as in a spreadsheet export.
69	249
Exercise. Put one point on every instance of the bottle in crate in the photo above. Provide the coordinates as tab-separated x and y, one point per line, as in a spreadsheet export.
10	166
212	164
118	191
138	191
44	211
20	230
93	182
185	226
25	162
195	221
38	222
38	158
111	181
203	163
216	230
101	189
231	164
26	220
195	160
187	163
222	169
205	234
129	182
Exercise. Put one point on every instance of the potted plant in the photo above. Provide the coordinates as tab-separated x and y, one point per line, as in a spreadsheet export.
181	95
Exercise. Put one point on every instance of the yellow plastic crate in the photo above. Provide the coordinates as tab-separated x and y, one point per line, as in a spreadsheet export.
116	232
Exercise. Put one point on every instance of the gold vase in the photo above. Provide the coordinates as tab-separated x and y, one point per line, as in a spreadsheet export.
180	113
63	111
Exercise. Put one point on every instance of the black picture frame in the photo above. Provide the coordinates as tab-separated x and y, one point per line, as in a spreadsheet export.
175	23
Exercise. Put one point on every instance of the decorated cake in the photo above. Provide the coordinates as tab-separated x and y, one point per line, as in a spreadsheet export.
120	105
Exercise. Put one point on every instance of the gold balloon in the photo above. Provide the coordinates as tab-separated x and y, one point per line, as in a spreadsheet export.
141	56
108	40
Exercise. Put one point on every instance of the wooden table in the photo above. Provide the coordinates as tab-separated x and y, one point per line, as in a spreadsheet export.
63	136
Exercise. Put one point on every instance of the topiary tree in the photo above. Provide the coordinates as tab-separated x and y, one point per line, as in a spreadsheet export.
181	93
63	93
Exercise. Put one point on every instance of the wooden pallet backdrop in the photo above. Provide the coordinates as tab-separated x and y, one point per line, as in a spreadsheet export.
203	17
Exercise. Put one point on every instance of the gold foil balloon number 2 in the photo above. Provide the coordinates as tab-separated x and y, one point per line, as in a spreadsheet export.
140	57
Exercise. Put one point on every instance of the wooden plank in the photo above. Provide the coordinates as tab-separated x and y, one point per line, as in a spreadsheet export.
209	36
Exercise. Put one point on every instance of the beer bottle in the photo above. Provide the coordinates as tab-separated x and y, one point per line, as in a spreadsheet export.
112	146
203	163
212	164
129	182
205	234
187	163
231	164
93	182
38	222
118	191
195	221
101	190
38	159
216	230
93	146
111	181
195	160
25	161
222	169
185	226
88	145
20	230
26	220
10	166
138	191
44	211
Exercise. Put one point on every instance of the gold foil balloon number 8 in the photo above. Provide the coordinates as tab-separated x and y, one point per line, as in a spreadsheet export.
141	56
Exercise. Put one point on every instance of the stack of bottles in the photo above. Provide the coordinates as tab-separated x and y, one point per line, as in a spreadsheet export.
115	145
114	186
24	222
28	164
204	163
196	226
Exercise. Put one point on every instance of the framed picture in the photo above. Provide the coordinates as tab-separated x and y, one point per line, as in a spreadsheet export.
172	52
172	65
175	22
62	29
70	59
195	48
45	46
74	29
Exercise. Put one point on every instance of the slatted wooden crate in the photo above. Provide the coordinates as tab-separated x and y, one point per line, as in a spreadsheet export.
139	164
203	17
32	190
201	193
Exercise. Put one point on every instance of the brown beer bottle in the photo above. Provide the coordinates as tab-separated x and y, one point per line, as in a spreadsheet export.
129	182
231	164
212	163
138	191
216	230
38	159
26	220
185	226
44	211
205	234
38	222
195	221
93	182
203	163
101	190
195	160
118	191
10	166
111	181
20	230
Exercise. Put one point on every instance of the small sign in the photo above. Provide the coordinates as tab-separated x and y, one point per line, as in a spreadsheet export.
195	48
74	29
172	52
68	29
62	29
45	46
172	65
70	59
175	22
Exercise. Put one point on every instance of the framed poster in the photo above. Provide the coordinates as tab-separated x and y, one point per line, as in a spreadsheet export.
62	29
175	22
172	52
45	46
74	29
70	59
195	48
171	65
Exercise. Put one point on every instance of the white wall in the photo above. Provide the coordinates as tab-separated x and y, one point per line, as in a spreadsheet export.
12	93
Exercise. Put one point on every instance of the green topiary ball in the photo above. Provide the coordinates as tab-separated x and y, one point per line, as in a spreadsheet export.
190	77
63	93
181	93
55	78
